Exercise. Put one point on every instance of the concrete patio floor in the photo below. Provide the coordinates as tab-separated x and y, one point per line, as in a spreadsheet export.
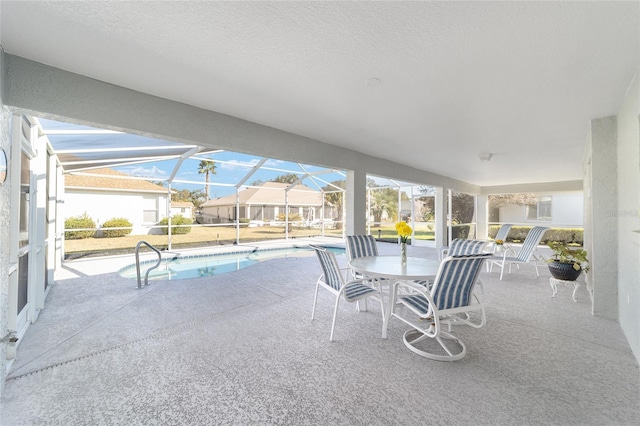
240	348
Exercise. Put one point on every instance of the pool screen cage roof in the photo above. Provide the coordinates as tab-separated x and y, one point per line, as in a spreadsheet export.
83	149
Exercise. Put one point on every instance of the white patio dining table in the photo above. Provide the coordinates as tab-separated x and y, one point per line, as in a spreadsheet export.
391	268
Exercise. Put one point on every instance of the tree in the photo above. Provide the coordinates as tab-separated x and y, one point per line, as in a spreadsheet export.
521	199
287	178
383	200
462	207
207	167
197	196
335	199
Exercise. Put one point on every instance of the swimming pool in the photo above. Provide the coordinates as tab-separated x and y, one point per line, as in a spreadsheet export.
198	266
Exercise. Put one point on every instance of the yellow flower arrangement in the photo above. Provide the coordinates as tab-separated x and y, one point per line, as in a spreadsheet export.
499	242
404	231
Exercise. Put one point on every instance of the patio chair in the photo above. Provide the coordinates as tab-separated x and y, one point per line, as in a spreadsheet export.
450	301
502	234
460	246
333	280
527	253
361	246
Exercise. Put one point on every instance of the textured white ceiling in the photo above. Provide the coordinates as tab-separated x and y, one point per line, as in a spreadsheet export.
518	79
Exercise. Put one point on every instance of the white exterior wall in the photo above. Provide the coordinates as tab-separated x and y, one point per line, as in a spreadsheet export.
103	206
183	211
628	216
566	211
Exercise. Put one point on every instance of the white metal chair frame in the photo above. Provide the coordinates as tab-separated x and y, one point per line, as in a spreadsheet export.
449	302
333	280
502	234
526	255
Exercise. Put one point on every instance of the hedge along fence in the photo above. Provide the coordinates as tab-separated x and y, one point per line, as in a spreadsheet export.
179	225
84	224
123	226
517	234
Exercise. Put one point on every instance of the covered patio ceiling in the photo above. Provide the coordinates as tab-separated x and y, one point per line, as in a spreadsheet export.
430	85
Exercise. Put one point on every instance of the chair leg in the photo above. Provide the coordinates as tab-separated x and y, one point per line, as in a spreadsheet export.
335	314
502	270
315	300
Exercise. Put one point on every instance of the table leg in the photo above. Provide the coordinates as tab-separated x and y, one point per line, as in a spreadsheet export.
575	288
389	310
554	287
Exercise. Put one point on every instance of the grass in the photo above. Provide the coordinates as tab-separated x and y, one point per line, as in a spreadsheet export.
208	236
198	237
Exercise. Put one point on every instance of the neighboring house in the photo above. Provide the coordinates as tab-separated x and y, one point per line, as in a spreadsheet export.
554	210
182	208
106	194
263	204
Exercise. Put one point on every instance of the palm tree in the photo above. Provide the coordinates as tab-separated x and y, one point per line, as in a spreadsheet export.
207	167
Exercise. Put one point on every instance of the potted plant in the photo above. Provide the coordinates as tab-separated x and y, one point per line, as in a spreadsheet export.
566	263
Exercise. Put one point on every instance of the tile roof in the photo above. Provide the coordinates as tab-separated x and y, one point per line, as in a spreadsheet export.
271	193
181	204
110	180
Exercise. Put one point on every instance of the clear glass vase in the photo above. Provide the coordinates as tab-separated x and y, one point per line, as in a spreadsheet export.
403	253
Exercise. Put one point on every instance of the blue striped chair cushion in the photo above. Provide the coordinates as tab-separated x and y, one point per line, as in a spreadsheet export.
357	290
460	247
456	281
531	243
418	302
453	287
503	232
330	269
361	246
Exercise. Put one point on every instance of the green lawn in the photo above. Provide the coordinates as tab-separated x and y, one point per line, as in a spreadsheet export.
200	236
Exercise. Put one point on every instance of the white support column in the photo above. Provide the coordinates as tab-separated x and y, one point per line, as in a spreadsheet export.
169	216
441	217
482	217
356	199
601	228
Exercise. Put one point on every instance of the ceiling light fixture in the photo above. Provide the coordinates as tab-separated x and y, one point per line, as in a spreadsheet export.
373	81
485	156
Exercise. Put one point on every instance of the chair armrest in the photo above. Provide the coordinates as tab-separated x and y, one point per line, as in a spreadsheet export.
442	252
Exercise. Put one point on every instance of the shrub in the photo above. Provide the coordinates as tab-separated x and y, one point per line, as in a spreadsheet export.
79	222
176	221
519	233
117	222
293	217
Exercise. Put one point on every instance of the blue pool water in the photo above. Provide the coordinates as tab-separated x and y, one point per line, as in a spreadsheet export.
198	266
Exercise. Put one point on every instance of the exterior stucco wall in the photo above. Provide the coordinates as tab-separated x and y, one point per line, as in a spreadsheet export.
103	206
5	226
628	216
566	210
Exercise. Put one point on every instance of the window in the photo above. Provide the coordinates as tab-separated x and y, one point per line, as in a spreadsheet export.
149	210
541	211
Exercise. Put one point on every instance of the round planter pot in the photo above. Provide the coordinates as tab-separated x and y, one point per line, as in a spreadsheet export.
564	271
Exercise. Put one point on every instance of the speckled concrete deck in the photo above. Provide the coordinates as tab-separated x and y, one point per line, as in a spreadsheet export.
240	348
